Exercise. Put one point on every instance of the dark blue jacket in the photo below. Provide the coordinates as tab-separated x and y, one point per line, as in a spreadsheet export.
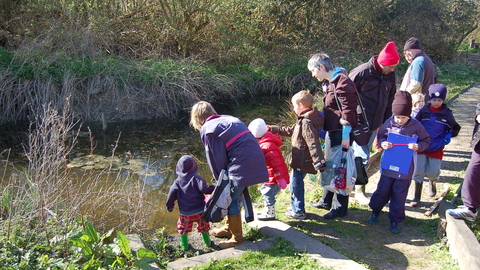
230	145
188	189
438	125
412	128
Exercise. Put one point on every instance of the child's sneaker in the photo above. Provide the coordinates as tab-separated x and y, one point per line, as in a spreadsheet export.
462	212
293	215
268	213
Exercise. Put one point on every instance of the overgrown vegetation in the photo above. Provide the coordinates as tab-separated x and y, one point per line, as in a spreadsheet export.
149	59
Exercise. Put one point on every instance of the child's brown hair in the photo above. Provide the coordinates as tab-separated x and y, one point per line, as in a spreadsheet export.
303	97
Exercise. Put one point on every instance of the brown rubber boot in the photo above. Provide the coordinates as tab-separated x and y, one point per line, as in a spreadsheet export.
222	232
235	225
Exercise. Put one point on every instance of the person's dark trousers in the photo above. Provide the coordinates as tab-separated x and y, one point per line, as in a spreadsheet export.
471	184
338	203
393	190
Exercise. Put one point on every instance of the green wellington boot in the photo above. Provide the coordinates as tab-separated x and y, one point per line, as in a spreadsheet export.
184	241
206	239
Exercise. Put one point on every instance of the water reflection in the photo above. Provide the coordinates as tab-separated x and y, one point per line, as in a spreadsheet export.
127	155
148	151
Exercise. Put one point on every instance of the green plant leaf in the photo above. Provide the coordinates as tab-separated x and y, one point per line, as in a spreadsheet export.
91	231
145	253
143	263
124	244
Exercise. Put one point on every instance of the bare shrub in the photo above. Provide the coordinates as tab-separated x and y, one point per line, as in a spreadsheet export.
47	189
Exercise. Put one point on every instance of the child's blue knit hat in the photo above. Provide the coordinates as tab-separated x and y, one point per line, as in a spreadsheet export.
437	90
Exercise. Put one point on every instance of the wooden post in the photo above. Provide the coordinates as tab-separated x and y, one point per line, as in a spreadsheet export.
104	123
439	200
472	43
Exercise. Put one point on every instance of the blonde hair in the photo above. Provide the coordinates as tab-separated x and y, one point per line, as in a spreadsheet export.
303	97
417	97
199	114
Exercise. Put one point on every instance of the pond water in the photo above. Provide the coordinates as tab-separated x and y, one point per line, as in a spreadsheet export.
149	150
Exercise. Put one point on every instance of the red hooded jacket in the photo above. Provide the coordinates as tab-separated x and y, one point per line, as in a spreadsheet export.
277	169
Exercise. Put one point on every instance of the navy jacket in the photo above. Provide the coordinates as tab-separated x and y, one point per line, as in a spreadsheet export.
438	125
412	128
230	145
188	189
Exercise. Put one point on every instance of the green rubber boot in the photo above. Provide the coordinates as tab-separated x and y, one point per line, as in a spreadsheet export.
184	241
206	239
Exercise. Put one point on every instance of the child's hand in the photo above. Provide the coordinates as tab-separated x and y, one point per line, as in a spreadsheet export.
386	145
268	128
448	137
321	166
282	183
413	146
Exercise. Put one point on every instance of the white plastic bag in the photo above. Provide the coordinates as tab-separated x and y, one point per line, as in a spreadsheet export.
333	161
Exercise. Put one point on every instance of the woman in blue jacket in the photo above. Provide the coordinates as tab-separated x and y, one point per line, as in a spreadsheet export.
230	145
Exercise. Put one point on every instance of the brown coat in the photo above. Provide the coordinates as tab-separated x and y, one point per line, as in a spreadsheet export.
334	118
306	146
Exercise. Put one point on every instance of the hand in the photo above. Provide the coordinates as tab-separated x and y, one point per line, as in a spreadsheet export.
268	128
386	145
282	183
346	143
321	166
413	146
170	209
448	137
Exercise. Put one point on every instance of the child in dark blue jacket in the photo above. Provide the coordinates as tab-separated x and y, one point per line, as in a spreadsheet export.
393	185
439	122
189	189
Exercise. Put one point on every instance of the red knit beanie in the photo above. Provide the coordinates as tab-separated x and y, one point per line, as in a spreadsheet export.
389	55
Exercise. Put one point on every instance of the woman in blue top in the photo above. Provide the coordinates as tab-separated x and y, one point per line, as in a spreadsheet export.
230	145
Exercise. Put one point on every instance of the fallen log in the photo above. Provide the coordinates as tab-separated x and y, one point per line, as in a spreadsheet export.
435	205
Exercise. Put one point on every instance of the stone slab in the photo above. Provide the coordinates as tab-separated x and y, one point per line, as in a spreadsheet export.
462	243
324	255
220	255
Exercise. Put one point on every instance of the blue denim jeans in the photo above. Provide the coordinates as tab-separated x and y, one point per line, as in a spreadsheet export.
297	191
237	200
364	151
268	193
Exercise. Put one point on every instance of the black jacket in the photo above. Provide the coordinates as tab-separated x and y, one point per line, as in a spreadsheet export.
376	91
476	130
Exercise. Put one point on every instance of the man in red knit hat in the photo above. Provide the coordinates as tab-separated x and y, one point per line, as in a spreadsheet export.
375	82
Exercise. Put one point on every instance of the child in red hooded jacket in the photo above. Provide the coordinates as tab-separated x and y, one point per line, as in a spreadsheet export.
277	168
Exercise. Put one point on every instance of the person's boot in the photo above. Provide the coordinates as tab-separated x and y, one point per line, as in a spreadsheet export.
235	226
268	213
417	195
206	239
360	195
222	232
433	189
373	218
184	241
